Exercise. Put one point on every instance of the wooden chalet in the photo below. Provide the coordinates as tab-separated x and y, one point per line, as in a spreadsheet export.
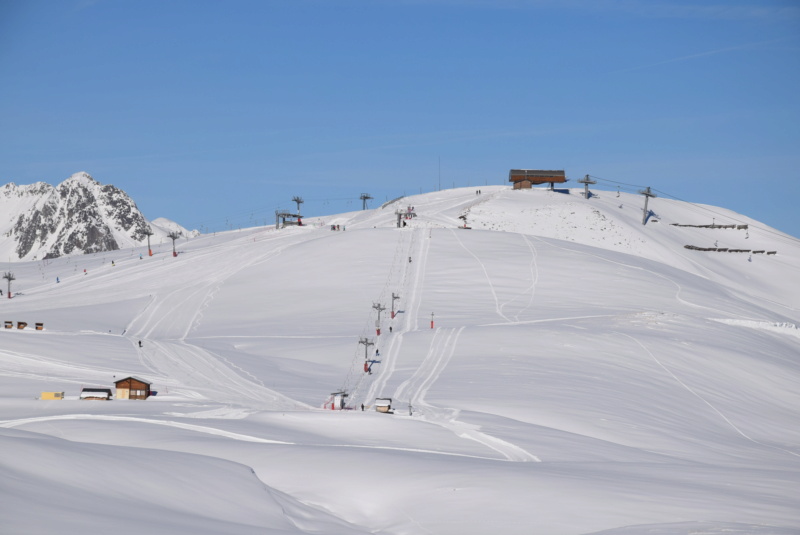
526	178
96	393
132	388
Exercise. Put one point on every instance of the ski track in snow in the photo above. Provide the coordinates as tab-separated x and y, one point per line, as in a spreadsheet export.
416	283
706	402
436	361
413	282
415	389
210	376
178	358
169	423
548	320
438	356
23	364
659	275
497	306
530	290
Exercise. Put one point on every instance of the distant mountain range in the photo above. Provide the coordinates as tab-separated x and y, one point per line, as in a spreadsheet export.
78	216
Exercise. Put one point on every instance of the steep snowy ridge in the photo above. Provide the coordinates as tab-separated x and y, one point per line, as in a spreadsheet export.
557	368
167	226
78	216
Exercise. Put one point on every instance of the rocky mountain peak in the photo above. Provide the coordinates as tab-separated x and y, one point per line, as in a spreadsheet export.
80	215
82	178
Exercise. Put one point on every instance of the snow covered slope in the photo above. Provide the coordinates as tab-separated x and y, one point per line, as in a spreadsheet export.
557	368
167	226
78	216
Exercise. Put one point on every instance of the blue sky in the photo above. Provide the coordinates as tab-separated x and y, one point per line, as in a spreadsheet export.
214	114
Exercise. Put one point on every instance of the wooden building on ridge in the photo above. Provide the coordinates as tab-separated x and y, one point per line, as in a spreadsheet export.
525	178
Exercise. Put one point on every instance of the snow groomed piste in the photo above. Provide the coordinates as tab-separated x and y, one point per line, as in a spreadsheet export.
557	368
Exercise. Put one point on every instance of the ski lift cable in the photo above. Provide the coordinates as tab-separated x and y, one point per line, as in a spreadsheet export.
616	181
778	235
355	391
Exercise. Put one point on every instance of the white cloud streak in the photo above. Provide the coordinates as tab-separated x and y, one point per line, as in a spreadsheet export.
701	55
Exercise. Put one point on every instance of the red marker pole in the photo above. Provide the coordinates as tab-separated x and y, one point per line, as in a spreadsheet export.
431	320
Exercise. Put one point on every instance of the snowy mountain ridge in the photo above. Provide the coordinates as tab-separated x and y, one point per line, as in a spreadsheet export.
78	216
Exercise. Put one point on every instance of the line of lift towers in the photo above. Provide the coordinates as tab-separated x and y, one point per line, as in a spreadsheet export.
338	400
646	192
284	218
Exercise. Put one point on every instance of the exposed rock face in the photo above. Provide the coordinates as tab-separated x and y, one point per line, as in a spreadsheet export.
79	215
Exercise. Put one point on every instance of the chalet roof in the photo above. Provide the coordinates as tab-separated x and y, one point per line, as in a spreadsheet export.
134	378
103	390
515	175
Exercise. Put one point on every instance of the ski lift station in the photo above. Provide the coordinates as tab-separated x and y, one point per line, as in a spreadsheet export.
337	401
526	178
284	219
